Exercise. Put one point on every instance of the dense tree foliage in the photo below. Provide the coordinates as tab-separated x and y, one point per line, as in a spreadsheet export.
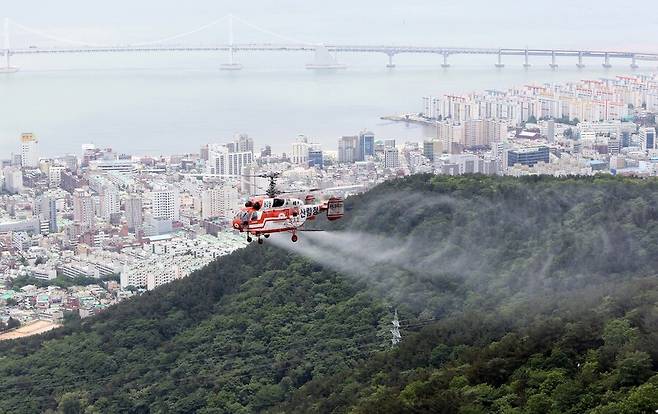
11	324
237	336
531	295
60	281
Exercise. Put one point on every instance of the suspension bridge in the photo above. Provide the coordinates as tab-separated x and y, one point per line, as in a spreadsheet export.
325	55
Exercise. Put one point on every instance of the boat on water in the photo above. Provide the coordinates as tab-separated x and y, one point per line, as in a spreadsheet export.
230	66
328	66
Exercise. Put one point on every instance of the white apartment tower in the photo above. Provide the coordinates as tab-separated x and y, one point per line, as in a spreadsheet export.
223	162
133	211
391	158
300	151
13	180
165	204
222	201
29	151
55	175
109	202
48	212
83	210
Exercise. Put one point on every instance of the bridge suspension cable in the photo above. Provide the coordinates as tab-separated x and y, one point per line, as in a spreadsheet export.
180	35
271	33
55	38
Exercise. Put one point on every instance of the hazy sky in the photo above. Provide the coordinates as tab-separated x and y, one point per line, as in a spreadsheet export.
485	23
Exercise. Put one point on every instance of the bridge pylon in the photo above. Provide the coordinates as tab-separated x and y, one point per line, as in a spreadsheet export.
390	63
7	68
445	63
232	64
580	64
526	60
634	64
606	62
553	64
500	63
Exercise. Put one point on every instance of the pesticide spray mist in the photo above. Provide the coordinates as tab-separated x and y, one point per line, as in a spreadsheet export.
447	253
352	253
389	266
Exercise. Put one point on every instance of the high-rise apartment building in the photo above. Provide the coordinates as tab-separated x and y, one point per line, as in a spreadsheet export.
222	202
29	151
109	202
366	145
13	180
391	158
55	175
244	143
83	210
165	204
348	147
300	150
133	211
648	138
224	162
550	130
315	158
266	151
432	149
48	212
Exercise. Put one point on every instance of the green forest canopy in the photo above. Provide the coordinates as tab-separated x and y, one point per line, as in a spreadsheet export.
525	295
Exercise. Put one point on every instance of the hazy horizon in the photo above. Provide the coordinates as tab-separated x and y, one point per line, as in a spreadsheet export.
471	23
160	103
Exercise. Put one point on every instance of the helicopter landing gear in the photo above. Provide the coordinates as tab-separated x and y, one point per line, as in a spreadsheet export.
267	236
294	238
249	239
260	241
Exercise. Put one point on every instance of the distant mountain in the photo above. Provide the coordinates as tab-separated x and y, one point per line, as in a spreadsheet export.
531	295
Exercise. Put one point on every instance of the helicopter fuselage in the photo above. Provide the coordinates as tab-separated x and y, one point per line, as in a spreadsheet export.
262	216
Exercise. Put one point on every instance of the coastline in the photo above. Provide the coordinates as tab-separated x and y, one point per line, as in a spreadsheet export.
409	118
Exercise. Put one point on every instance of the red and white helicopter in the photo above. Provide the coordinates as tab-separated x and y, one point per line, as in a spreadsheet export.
271	213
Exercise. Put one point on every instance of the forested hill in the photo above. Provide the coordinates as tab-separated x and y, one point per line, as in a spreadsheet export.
533	295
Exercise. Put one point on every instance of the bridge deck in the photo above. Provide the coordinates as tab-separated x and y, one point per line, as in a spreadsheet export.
385	49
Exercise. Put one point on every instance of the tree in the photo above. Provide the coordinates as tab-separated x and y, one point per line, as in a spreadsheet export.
13	323
617	333
73	403
634	368
440	354
538	404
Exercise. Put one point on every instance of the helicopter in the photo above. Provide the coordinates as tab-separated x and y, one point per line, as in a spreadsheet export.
270	213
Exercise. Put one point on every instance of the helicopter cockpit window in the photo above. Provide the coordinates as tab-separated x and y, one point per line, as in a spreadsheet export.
278	202
254	216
